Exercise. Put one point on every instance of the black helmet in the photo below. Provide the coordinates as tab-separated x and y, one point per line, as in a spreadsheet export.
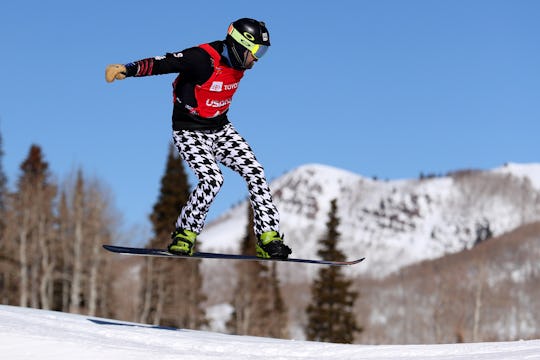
247	34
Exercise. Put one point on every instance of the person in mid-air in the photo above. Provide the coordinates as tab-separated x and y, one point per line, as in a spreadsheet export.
209	75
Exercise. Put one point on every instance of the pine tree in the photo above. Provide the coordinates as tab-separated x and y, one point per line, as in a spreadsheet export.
330	314
174	193
172	290
259	309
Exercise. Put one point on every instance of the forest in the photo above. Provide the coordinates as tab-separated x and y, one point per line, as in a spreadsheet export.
51	258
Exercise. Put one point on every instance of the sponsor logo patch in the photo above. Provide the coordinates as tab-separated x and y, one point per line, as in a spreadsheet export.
218	103
216	86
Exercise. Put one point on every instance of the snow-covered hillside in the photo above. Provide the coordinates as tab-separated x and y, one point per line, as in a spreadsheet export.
393	223
27	334
524	171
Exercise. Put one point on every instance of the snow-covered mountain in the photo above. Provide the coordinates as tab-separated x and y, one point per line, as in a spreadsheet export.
393	223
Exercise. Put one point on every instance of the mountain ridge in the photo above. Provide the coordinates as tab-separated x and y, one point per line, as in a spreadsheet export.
394	223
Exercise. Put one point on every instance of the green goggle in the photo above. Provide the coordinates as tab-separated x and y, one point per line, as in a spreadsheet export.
257	50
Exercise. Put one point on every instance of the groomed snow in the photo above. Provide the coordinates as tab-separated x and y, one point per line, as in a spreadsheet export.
38	334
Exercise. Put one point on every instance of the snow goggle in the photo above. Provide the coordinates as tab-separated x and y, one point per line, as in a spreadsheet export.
257	50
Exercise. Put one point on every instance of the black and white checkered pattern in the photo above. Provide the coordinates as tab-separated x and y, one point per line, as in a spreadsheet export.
202	150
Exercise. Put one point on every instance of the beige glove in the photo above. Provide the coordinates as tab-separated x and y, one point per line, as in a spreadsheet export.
115	72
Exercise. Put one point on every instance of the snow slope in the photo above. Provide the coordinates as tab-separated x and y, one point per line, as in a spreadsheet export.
47	335
529	171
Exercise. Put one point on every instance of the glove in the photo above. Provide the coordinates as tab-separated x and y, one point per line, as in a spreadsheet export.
115	72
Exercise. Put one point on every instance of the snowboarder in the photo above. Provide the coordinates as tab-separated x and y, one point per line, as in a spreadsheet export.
209	75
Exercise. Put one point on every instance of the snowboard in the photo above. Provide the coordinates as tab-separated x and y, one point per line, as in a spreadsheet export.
210	255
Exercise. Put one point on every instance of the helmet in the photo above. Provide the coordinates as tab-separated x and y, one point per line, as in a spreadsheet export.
247	34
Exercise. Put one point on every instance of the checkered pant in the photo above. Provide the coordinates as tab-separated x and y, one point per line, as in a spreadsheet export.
202	150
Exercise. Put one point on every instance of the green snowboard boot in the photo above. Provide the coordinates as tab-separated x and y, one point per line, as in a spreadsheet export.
270	246
183	242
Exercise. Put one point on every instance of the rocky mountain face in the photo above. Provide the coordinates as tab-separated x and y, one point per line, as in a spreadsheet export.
392	223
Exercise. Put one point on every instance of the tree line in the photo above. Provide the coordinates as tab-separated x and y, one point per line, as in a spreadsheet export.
51	240
51	258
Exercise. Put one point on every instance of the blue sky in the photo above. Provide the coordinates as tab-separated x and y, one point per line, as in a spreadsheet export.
381	88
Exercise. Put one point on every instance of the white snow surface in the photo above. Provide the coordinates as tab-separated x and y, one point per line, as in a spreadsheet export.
47	335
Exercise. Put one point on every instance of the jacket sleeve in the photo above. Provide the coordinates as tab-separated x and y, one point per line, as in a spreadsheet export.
178	62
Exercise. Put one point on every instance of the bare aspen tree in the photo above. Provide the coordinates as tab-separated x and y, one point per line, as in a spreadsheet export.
77	246
478	295
5	264
99	224
9	267
45	236
87	221
63	250
33	204
24	288
53	241
146	293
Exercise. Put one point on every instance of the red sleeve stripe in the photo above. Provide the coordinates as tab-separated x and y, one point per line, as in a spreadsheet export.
151	67
144	67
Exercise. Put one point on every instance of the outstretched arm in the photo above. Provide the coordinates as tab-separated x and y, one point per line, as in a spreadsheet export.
170	63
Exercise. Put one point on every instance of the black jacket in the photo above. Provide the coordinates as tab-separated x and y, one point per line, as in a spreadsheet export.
194	66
